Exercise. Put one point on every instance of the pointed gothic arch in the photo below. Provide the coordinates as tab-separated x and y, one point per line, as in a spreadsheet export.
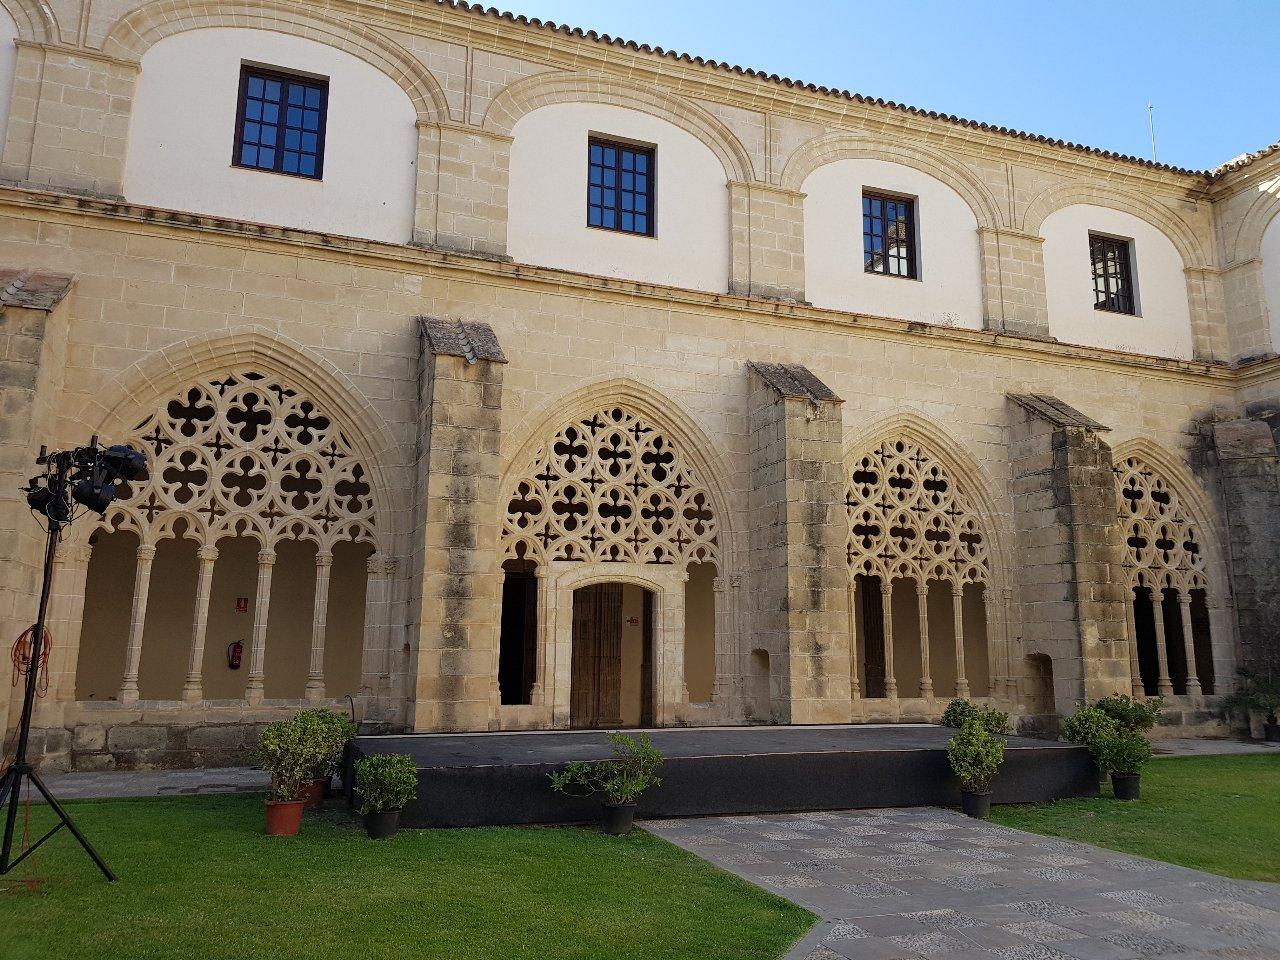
922	528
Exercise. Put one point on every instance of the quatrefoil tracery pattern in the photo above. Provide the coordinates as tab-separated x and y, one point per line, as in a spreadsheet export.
610	487
1162	547
909	519
244	454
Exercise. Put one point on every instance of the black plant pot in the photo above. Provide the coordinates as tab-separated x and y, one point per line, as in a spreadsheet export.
976	805
1271	732
1126	786
382	825
618	818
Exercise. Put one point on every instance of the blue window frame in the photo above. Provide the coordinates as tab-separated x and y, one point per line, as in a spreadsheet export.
620	187
280	123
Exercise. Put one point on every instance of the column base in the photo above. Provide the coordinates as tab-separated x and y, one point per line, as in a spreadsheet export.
254	693
192	692
128	692
926	689
1165	688
962	689
314	691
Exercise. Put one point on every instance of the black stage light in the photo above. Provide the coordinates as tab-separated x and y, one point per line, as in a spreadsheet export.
126	462
97	497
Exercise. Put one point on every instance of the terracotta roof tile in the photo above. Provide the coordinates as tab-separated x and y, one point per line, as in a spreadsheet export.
34	289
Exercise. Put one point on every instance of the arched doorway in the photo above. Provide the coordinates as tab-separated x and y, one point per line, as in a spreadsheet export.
611	672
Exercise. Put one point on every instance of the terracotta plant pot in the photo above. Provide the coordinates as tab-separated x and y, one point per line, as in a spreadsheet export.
976	805
618	818
1126	786
313	792
284	817
382	825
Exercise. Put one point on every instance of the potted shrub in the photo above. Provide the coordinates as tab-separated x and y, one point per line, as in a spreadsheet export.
628	773
329	731
287	752
1086	725
1137	715
385	782
975	755
1258	694
959	710
1123	753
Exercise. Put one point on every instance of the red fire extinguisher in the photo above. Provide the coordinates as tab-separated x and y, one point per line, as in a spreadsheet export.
234	652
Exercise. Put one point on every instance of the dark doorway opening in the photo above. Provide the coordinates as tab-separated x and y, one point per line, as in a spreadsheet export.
871	631
518	641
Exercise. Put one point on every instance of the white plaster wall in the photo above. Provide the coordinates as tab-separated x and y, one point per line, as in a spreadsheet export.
547	206
1162	329
8	60
1271	277
183	128
949	291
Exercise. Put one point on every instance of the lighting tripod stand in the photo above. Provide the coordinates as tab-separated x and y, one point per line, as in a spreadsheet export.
89	474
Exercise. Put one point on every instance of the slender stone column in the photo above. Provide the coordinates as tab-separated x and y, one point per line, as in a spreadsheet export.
253	692
957	618
192	690
319	619
1188	643
855	685
922	610
137	623
1164	684
886	614
1136	687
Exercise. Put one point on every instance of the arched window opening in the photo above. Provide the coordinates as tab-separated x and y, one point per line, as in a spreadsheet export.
609	488
1171	649
258	518
919	562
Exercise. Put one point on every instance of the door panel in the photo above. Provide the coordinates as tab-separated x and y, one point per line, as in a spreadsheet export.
596	682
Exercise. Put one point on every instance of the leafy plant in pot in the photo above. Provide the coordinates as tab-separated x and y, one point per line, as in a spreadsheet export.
287	752
385	782
1123	752
622	779
330	731
975	755
1259	694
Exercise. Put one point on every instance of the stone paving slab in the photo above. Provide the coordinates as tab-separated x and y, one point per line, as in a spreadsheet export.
915	884
154	783
1210	746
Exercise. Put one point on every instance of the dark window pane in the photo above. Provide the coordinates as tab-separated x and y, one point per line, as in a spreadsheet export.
619	187
1112	274
888	236
299	128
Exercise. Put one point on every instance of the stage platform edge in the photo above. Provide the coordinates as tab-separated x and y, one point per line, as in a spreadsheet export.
499	779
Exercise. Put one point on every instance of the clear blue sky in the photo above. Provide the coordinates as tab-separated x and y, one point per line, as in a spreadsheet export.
1080	70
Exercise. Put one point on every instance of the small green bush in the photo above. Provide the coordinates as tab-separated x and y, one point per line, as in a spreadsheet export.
1131	714
975	755
1086	725
331	730
1123	752
385	781
289	751
628	773
1258	690
958	711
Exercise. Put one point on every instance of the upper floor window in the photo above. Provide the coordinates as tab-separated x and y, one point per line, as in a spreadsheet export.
1113	287
889	235
280	123
620	187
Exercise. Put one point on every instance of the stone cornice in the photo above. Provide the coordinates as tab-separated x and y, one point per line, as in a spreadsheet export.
106	214
81	52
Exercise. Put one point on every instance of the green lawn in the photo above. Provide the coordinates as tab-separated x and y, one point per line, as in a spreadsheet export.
1220	814
199	879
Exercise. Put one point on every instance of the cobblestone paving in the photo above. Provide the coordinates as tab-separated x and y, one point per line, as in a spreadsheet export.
917	884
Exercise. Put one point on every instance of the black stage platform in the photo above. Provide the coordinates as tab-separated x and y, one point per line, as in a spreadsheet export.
484	779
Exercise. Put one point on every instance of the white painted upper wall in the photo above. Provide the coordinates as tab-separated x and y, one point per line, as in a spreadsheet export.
949	291
8	61
1271	277
183	128
1163	326
547	201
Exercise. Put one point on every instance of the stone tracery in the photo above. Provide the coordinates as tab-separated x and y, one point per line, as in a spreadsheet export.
1162	547
610	487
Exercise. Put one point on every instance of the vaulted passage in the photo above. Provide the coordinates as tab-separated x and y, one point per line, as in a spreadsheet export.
919	567
226	573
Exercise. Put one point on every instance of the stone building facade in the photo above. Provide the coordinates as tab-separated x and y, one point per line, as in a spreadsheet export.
426	436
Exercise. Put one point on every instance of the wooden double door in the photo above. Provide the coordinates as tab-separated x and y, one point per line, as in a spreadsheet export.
596	689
